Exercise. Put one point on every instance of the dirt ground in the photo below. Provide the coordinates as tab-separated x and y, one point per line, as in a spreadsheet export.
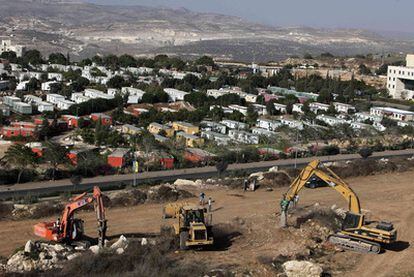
386	197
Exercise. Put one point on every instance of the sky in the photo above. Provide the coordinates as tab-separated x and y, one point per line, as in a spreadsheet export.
378	15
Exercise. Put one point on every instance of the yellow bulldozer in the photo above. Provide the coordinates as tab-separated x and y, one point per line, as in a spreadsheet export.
193	224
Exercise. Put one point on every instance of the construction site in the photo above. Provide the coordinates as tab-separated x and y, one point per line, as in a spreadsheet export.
346	218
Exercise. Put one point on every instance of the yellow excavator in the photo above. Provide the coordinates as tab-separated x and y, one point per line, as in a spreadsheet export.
356	234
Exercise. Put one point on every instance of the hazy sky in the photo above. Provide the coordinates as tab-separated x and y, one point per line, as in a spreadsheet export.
388	15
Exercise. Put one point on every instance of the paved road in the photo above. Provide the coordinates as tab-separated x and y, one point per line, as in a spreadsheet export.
50	187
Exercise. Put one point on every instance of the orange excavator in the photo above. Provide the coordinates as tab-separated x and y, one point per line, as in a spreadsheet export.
67	228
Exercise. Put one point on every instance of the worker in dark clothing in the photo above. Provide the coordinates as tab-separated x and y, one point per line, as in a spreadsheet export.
202	197
245	184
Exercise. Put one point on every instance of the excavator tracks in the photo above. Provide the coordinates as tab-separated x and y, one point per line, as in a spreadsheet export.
355	244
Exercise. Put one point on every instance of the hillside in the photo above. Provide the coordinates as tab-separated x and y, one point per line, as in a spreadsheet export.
85	29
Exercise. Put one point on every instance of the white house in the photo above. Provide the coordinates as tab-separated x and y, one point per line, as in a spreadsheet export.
252	98
400	79
241	109
297	108
224	109
244	137
343	108
392	113
360	126
216	93
291	123
55	76
280	107
331	120
22	108
78	97
263	132
234	124
268	124
54	98
218	138
9	100
362	116
64	104
44	107
22	85
175	94
31	99
260	109
46	85
207	125
94	93
315	107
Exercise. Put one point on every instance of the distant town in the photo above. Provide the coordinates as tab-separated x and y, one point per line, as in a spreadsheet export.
97	116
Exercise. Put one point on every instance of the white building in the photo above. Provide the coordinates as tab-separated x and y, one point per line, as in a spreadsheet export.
291	123
31	99
241	109
135	95
260	109
362	116
331	120
55	76
315	107
218	138
268	124
44	107
343	108
54	98
392	113
46	85
78	97
64	104
224	109
22	85
7	46
252	98
297	108
94	93
10	100
175	94
234	124
264	132
216	93
22	108
244	137
213	126
400	79
280	107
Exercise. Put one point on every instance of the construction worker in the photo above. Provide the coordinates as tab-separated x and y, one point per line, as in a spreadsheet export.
209	204
295	200
284	206
245	184
202	196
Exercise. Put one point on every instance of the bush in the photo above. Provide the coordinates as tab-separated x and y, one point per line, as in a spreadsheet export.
365	152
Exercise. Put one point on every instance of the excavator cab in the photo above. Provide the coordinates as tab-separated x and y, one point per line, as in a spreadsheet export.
352	221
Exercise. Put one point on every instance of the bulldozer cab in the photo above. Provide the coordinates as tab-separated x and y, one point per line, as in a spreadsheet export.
192	215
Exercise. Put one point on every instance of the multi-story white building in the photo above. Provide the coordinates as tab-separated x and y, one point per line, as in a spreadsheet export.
392	113
213	126
7	46
45	107
400	80
64	104
78	97
244	137
216	93
175	94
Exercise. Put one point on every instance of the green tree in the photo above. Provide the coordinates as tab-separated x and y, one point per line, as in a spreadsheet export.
33	84
252	115
32	57
21	157
205	60
56	155
116	82
57	58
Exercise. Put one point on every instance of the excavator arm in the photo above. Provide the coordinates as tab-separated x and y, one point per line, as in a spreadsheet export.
316	168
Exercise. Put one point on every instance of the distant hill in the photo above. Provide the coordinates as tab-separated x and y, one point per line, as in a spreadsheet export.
85	29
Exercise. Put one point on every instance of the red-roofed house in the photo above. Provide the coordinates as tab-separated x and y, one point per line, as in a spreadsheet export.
119	157
106	120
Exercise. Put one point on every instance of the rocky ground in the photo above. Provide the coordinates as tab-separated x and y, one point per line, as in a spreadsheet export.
248	241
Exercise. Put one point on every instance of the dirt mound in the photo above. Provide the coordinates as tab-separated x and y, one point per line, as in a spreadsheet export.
275	179
165	193
5	210
126	198
321	216
38	210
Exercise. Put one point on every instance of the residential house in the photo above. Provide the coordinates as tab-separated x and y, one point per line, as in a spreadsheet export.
224	109
94	93
234	124
241	109
155	128
260	109
244	137
71	120
22	108
64	104
331	120
119	158
213	126
185	127
54	98
280	108
218	138
190	140
78	97
297	108
166	160
251	98
105	119
46	86
45	107
343	108
316	107
291	123
130	129
198	156
263	132
268	124
216	93
393	113
175	94
9	100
